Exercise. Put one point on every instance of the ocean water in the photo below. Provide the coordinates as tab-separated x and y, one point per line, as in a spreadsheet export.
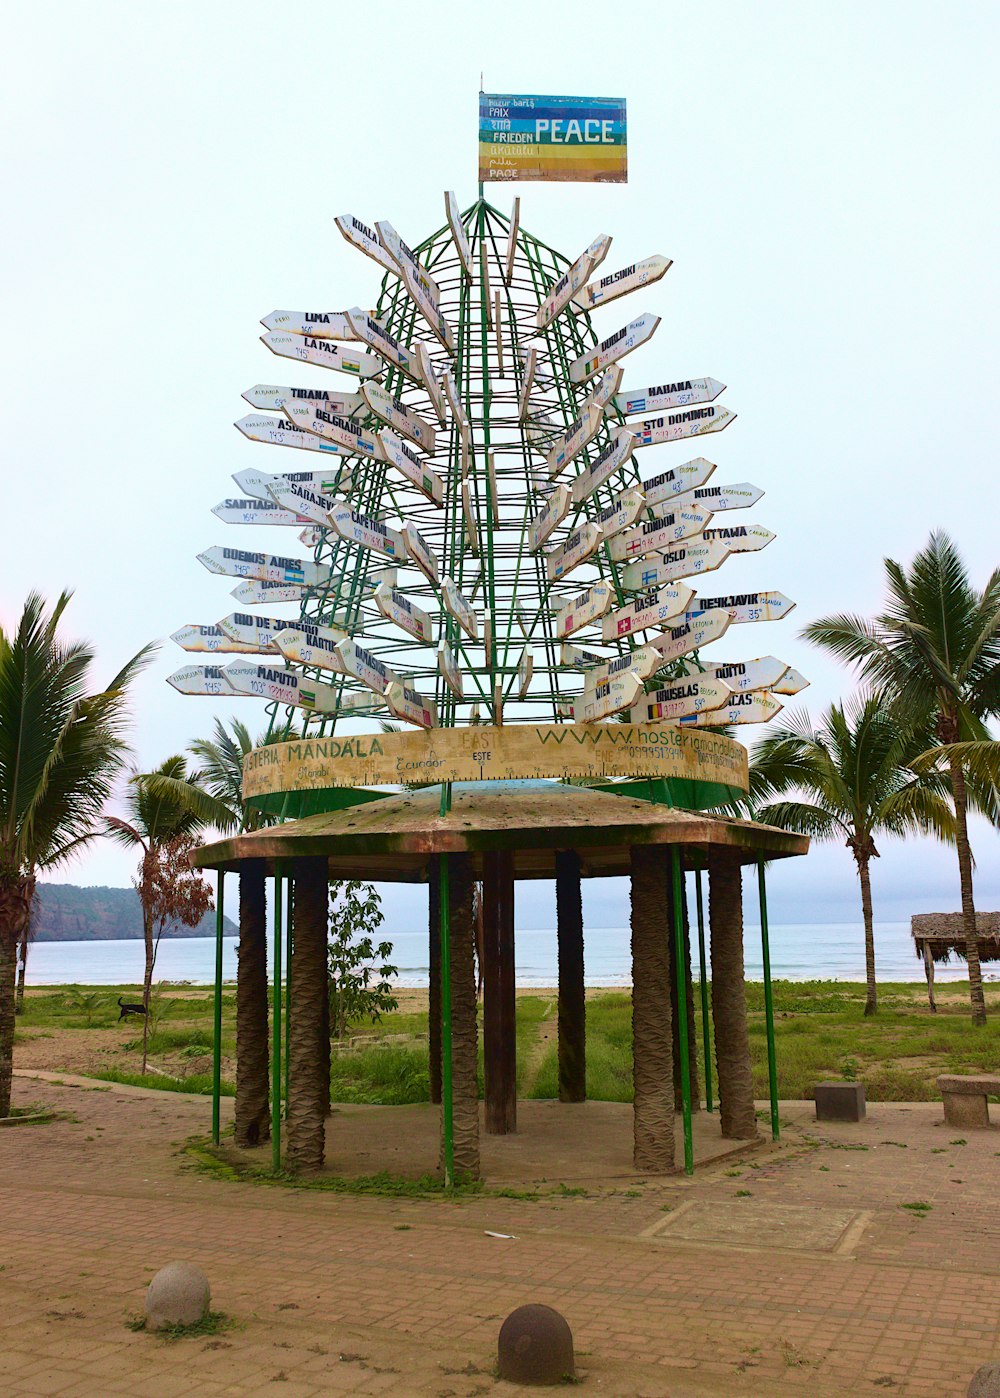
807	951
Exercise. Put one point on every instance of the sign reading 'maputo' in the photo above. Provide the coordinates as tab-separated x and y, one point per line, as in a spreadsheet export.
527	137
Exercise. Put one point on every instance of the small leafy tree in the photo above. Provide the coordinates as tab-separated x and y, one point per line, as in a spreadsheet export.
360	974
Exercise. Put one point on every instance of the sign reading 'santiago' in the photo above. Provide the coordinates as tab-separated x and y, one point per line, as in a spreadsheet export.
486	753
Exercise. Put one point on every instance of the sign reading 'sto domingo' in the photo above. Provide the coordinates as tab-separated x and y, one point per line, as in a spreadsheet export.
552	138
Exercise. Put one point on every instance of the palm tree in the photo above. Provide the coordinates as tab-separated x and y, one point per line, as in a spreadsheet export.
61	749
855	782
935	651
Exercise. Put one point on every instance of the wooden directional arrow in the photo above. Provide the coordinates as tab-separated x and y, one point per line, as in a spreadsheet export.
406	704
310	350
686	560
615	347
607	386
739	538
603	467
583	610
644	661
399	417
361	665
255	633
756	706
325	325
344	432
201	679
212	639
432	383
316	648
741	675
370	330
263	594
722	497
420	553
397	608
579	434
395	451
459	607
621	513
405	258
608	697
650	610
256	512
681	698
281	686
573	551
450	669
280	432
690	634
530	365
747	606
470	519
263	567
315	505
461	239
631	278
515	222
663	397
525	669
679	480
367	531
571	281
790	683
555	511
659	533
275	396
686	422
259	483
362	237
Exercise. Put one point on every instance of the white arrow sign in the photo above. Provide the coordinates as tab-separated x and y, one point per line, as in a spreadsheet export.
344	431
739	538
316	648
399	417
362	237
454	401
662	397
280	685
555	511
397	608
603	467
432	383
608	697
274	396
361	665
575	550
280	432
309	350
255	512
525	669
259	483
646	612
691	633
723	497
470	519
372	332
211	639
679	480
748	606
741	675
420	553
405	258
515	223
263	567
529	369
257	633
461	239
675	427
682	697
615	347
643	662
367	531
579	434
200	679
411	707
659	533
621	513
263	594
315	505
395	451
607	386
325	325
450	669
587	607
562	293
685	561
753	707
790	683
459	608
631	278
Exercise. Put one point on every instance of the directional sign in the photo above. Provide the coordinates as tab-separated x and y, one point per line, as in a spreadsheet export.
432	383
200	679
454	215
255	512
530	365
343	431
659	533
790	683
723	497
515	222
325	325
311	537
316	648
741	675
562	293
460	609
687	560
615	347
259	483
362	237
525	669
313	504
420	553
282	433
454	401
311	350
281	686
254	633
756	706
421	289
399	417
406	704
450	669
555	511
681	698
573	551
740	538
577	658
405	257
608	697
397	608
631	278
644	661
621	513
649	610
395	451
661	397
748	606
691	633
579	434
263	594
678	481
470	518
211	638
607	386
603	467
686	422
263	567
361	665
371	331
584	609
274	396
367	531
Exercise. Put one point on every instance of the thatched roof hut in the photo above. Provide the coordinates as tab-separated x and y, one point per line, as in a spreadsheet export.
939	935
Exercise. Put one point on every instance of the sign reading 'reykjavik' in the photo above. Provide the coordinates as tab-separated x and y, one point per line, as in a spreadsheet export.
552	138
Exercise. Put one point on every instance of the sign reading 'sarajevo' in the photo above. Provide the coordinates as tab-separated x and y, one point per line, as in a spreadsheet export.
483	753
552	138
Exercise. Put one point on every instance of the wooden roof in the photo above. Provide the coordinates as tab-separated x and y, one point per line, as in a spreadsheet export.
392	839
944	935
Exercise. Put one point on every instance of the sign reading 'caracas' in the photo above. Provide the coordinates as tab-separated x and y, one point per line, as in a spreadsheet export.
552	138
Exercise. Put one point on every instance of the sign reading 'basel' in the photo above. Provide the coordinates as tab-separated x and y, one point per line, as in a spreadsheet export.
552	138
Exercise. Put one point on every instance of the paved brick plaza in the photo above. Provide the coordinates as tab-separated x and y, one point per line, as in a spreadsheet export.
794	1271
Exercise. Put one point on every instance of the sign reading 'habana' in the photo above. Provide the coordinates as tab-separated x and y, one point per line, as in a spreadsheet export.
524	137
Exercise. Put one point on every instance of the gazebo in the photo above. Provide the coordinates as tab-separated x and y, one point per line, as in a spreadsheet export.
499	833
937	937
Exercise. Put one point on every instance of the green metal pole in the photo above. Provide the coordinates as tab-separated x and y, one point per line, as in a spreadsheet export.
288	983
772	1060
217	1040
447	1098
682	1024
706	1033
276	1028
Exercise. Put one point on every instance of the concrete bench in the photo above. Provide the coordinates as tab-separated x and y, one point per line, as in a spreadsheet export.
965	1098
839	1101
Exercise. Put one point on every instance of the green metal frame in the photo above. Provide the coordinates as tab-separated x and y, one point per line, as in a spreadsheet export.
447	1091
772	1057
276	1027
706	1031
217	1025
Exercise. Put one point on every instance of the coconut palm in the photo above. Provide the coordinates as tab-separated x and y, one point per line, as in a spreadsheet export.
61	749
935	651
854	782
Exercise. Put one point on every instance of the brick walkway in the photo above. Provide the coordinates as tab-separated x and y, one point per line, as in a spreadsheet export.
795	1272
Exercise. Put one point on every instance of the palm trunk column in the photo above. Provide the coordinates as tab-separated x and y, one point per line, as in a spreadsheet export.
252	1113
572	1000
304	1111
652	1046
499	996
729	1005
464	1034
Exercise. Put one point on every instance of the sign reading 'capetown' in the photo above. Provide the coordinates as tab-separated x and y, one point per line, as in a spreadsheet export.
552	138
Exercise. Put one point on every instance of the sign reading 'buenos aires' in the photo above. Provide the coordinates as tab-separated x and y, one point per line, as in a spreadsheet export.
525	137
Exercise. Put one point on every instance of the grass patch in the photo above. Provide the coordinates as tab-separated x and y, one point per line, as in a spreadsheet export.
387	1075
211	1323
163	1082
918	1207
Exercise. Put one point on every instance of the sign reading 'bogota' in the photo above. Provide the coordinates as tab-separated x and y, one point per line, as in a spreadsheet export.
485	753
552	138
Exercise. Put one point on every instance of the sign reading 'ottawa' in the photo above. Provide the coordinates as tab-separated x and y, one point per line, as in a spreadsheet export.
483	753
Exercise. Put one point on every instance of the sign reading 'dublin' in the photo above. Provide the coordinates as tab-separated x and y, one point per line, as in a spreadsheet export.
485	753
552	138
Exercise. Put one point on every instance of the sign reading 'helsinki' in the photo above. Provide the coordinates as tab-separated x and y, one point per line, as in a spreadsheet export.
547	571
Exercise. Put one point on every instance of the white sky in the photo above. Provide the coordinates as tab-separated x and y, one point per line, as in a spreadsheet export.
824	177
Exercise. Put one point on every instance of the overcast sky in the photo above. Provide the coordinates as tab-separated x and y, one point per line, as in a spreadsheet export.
824	177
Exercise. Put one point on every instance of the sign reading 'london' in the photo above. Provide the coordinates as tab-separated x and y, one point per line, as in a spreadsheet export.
552	138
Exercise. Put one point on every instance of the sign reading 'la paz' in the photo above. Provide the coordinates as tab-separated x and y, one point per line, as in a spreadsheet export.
756	706
741	675
603	467
615	347
360	236
679	480
310	350
406	704
686	422
631	278
459	607
660	397
325	325
264	567
394	450
546	520
399	417
314	504
273	397
580	546
211	639
344	431
579	434
372	332
280	685
280	432
459	236
367	531
253	511
723	497
687	560
658	533
583	610
562	293
316	647
264	594
650	610
682	697
749	606
693	630
397	608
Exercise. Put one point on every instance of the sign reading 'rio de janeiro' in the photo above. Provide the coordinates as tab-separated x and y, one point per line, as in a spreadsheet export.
523	137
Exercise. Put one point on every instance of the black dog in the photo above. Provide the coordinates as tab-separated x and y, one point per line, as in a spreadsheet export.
129	1009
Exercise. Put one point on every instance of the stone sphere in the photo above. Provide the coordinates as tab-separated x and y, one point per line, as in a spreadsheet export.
535	1347
985	1382
179	1294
